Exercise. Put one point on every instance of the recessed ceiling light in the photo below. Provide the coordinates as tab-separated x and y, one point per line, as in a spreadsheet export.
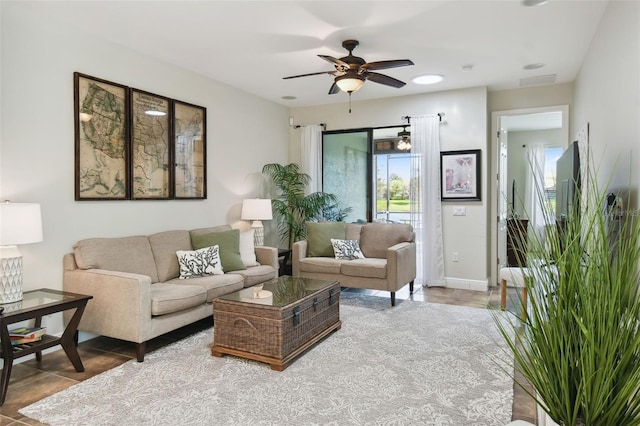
428	79
530	3
289	98
533	66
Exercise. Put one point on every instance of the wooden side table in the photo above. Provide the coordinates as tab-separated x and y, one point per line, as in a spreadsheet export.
34	305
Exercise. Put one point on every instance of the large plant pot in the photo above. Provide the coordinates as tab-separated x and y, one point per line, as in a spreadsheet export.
544	419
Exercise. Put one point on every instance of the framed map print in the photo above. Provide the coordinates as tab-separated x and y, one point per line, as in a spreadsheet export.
460	174
190	150
101	134
150	146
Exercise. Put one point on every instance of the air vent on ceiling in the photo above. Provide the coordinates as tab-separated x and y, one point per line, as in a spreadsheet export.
537	80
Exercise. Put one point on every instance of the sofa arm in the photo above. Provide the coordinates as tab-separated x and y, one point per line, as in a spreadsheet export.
401	264
267	256
121	304
298	252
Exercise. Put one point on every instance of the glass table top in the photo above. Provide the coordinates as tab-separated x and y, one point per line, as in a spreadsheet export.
279	292
37	298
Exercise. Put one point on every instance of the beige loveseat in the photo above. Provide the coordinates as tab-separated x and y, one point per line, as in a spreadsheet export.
389	251
136	286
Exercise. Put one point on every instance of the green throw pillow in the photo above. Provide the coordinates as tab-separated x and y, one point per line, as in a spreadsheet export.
229	244
319	236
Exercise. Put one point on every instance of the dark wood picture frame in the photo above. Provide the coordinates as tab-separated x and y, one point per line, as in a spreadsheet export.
151	146
190	150
101	111
460	173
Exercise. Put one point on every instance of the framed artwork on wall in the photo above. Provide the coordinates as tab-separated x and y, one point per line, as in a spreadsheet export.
101	110
190	151
150	146
136	145
460	175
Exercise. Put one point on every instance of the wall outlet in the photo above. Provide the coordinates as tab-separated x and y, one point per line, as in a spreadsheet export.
455	256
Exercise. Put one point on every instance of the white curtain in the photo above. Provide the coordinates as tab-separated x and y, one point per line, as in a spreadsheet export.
311	152
426	216
534	191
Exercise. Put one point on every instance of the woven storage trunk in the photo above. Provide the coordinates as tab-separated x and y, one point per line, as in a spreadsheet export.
275	332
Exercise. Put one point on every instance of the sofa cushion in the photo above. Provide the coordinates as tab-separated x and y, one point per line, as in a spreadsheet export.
366	268
326	265
167	298
346	249
247	249
352	231
164	246
214	285
256	274
210	229
376	238
229	244
195	263
125	254
319	236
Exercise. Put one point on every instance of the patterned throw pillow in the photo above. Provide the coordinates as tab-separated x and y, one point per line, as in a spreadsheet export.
205	261
347	249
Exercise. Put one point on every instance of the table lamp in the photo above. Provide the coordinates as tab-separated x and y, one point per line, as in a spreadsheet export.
20	223
257	210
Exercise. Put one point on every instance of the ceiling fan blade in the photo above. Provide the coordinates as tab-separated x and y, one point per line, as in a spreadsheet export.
382	65
334	61
334	89
385	79
312	73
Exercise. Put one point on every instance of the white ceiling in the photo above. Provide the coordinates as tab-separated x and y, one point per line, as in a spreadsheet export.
252	45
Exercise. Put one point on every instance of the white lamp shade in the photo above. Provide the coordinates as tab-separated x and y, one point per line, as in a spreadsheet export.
256	209
20	223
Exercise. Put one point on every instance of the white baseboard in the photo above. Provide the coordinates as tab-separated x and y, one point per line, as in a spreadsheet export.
463	284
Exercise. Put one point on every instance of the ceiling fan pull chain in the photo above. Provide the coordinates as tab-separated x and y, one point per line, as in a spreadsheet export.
349	102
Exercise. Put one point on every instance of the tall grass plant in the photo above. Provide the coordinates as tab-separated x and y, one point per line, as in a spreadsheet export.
579	344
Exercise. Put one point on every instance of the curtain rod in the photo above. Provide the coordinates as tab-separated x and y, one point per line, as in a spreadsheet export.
440	115
297	126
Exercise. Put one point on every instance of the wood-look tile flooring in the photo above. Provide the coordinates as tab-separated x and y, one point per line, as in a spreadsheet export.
32	381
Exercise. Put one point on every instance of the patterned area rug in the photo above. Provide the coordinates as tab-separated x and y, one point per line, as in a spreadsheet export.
417	363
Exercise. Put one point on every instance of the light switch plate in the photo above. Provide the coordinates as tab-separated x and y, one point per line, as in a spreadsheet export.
459	211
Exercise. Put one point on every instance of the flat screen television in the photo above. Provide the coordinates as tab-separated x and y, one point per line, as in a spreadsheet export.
568	184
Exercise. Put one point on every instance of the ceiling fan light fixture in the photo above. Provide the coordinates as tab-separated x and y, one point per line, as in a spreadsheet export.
428	79
350	82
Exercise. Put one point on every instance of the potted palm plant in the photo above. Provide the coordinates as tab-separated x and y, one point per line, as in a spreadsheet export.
579	344
292	207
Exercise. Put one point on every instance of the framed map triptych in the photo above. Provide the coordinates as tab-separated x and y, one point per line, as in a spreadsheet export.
136	145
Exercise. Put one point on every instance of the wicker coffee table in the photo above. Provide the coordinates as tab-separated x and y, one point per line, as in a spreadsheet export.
278	323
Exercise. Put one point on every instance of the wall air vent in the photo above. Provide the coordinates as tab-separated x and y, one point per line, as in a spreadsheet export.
538	80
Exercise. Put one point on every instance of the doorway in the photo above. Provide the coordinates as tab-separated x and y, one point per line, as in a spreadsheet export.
513	133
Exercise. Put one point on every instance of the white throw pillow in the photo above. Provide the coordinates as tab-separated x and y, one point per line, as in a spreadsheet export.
205	261
346	249
247	250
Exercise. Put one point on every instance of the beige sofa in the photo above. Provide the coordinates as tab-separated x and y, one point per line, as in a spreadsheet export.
389	251
135	284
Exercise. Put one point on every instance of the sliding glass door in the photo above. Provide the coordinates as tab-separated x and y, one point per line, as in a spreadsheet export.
346	171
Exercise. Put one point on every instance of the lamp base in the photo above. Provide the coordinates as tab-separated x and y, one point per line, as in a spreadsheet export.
10	275
258	234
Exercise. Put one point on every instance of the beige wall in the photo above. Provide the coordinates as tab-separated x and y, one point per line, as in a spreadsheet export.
607	96
37	138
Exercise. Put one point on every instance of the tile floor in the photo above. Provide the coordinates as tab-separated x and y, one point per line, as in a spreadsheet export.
32	381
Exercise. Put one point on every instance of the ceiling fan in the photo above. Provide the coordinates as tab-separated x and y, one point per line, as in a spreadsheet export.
352	71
